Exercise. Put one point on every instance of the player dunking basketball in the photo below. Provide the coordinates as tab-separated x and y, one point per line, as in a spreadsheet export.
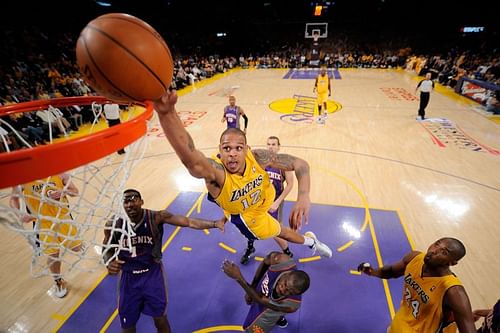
238	181
278	178
143	285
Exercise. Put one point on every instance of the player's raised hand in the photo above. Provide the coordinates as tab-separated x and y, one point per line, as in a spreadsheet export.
231	269
26	218
220	223
115	266
366	268
166	103
248	299
300	213
54	194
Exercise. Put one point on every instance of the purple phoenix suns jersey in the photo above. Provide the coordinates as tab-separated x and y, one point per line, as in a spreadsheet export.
277	178
232	116
146	241
261	318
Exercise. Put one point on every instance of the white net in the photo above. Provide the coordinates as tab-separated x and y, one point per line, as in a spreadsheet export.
63	217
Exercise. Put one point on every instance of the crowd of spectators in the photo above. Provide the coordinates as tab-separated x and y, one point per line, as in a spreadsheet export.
40	65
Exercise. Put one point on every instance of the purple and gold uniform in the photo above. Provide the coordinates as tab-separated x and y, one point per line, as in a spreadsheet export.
421	308
277	178
322	88
232	115
261	319
55	227
247	199
143	284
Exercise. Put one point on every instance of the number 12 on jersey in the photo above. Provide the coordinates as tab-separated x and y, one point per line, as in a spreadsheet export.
254	198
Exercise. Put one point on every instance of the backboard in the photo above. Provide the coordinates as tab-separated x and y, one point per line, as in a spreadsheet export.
316	30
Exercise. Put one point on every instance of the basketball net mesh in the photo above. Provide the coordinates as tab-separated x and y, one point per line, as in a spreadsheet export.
78	220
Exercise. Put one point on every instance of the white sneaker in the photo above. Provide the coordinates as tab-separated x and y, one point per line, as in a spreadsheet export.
322	249
325	115
60	288
419	118
320	120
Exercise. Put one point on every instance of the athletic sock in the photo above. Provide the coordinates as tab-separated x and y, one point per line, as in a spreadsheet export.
308	241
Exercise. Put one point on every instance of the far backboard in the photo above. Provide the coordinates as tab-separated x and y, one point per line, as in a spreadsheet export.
318	30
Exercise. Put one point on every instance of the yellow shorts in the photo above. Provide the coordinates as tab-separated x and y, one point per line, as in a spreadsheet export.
262	227
54	235
322	98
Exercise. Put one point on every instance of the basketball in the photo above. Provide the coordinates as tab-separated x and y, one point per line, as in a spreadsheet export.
124	59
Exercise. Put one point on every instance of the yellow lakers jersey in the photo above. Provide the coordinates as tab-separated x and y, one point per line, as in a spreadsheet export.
251	194
33	193
322	84
421	309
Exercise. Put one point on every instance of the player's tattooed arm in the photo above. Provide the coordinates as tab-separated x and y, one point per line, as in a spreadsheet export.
217	166
179	138
284	162
262	156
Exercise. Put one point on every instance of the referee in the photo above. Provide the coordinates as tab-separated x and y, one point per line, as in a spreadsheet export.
112	115
426	86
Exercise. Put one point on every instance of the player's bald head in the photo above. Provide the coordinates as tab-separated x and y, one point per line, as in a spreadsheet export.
233	131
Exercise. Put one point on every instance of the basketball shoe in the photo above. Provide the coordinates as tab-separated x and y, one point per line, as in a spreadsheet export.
60	288
282	322
249	253
322	249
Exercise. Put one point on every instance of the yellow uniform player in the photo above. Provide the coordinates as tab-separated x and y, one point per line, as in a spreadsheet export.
433	296
322	87
238	182
47	205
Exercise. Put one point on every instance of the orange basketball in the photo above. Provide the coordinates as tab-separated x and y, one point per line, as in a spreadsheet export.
124	59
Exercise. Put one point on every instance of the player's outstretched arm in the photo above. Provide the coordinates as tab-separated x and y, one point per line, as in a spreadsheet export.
388	271
233	271
194	160
193	223
286	162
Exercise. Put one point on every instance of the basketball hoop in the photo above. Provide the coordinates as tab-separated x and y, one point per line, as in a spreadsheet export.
38	162
315	37
89	161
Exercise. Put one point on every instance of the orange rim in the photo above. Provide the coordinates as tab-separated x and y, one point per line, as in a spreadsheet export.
25	165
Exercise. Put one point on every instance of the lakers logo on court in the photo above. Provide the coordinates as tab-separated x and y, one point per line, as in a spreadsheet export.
300	109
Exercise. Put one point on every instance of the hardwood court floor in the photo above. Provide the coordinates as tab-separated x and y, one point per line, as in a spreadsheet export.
440	175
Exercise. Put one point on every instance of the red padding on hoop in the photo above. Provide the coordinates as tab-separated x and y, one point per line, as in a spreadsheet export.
25	165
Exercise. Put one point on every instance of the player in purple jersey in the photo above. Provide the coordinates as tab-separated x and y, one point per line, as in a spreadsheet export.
276	290
232	114
142	286
278	178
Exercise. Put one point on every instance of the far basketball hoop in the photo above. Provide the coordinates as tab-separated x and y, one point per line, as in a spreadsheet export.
316	31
